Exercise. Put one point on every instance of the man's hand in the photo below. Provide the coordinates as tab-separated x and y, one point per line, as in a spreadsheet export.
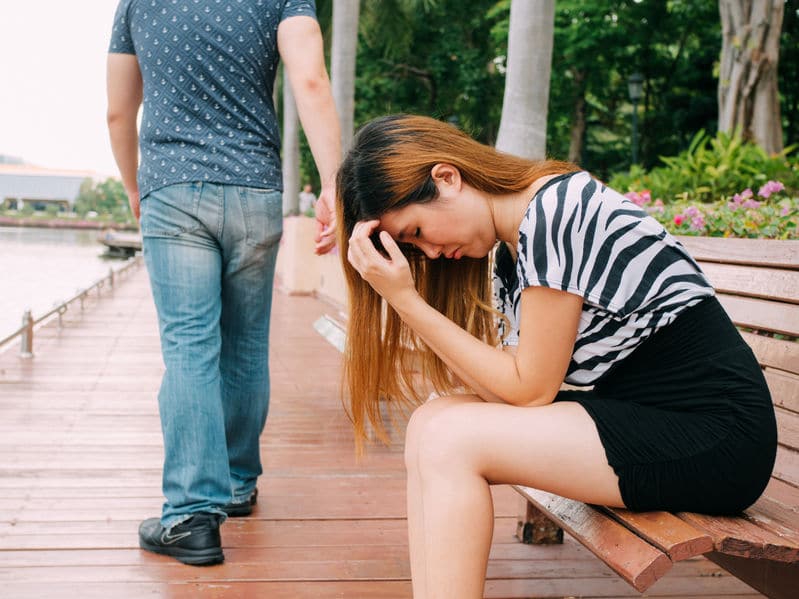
326	220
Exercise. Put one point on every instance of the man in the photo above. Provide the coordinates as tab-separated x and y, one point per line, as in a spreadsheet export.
211	218
307	199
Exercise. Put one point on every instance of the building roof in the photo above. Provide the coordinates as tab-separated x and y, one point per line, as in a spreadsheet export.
29	182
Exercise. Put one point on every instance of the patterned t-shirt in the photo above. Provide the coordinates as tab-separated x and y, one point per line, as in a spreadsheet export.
208	69
582	237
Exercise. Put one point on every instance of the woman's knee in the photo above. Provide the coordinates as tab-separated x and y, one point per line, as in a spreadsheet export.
436	438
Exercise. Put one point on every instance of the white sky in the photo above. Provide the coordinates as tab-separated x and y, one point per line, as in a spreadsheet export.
52	82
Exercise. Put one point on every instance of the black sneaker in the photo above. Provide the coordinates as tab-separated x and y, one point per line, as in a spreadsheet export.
244	508
195	541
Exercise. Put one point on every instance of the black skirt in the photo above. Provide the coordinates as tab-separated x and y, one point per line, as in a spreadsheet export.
686	420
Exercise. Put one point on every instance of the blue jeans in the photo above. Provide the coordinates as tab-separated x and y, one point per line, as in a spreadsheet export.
210	252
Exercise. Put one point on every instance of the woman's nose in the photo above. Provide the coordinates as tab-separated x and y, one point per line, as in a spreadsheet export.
430	250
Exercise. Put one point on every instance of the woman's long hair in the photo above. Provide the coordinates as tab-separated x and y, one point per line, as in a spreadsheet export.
388	167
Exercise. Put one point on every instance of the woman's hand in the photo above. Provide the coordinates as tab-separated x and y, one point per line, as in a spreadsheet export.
390	277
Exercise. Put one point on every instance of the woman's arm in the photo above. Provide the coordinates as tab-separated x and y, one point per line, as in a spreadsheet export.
549	320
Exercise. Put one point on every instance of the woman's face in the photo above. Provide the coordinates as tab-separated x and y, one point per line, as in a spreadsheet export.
457	223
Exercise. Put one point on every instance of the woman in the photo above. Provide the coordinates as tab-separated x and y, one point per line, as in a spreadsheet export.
590	291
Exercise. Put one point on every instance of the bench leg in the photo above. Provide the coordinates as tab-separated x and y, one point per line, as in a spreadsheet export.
534	528
775	580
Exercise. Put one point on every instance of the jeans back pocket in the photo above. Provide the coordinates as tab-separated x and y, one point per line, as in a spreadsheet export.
171	211
263	216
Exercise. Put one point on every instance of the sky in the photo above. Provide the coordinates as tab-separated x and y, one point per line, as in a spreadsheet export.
52	83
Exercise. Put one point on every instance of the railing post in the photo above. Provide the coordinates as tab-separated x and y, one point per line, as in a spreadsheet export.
26	342
111	277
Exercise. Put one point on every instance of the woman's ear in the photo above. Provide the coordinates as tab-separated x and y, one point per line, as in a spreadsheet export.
447	175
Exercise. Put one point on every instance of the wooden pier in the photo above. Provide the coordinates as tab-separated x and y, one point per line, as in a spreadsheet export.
80	467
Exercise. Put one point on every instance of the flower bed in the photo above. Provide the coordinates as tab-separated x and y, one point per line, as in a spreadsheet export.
772	213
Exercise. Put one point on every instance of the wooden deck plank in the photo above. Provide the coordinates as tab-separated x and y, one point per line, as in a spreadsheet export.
80	465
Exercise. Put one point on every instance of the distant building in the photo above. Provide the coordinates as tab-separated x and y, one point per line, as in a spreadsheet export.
24	184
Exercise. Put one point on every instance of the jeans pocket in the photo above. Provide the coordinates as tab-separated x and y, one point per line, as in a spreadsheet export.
171	211
263	216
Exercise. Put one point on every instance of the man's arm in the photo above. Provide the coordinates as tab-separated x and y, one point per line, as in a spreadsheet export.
299	41
124	86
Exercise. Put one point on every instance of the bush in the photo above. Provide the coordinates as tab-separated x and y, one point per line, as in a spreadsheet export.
712	168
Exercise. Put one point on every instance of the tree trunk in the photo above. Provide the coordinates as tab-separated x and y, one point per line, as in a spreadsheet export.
291	151
577	138
748	97
523	127
342	64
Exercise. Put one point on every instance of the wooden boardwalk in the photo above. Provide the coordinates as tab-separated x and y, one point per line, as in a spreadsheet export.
80	459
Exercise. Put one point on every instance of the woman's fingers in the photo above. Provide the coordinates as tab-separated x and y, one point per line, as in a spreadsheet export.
394	252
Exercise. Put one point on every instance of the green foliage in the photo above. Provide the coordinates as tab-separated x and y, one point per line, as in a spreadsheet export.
712	168
433	58
599	44
446	59
107	198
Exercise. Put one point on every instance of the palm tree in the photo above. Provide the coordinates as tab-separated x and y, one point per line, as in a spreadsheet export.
523	127
342	64
748	96
291	151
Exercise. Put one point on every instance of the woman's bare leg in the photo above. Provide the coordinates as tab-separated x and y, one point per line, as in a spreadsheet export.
456	447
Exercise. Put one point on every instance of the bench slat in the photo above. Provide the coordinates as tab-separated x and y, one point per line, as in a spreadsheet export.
761	314
786	467
787	428
741	537
769	283
630	556
775	517
784	389
765	252
675	537
774	353
783	493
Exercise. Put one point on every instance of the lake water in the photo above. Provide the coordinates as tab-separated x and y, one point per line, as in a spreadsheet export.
40	268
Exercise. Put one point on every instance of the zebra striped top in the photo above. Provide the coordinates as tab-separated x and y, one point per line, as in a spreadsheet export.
582	237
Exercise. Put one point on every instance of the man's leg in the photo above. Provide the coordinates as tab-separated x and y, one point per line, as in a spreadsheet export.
253	226
184	264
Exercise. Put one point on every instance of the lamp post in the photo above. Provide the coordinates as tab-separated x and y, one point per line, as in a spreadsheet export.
635	87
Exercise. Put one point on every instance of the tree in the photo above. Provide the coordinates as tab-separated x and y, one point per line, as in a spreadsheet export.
291	151
342	64
523	127
747	94
106	198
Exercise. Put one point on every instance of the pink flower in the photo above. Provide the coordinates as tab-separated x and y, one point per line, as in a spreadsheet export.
657	207
769	188
678	219
639	199
698	223
751	204
692	211
785	211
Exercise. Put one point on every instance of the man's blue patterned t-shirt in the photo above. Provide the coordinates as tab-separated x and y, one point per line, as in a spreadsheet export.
208	69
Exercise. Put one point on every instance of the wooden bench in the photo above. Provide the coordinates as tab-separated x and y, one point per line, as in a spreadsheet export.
758	284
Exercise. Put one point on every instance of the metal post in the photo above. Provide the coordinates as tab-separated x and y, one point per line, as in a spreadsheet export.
111	277
26	342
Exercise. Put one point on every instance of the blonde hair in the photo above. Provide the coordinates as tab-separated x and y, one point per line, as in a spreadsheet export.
388	167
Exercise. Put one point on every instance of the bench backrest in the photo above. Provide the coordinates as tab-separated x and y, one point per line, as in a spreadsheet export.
758	284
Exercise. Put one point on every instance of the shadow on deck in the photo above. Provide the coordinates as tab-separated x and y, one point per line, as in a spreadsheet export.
80	459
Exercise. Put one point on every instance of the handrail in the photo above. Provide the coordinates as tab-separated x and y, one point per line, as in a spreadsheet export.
28	323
